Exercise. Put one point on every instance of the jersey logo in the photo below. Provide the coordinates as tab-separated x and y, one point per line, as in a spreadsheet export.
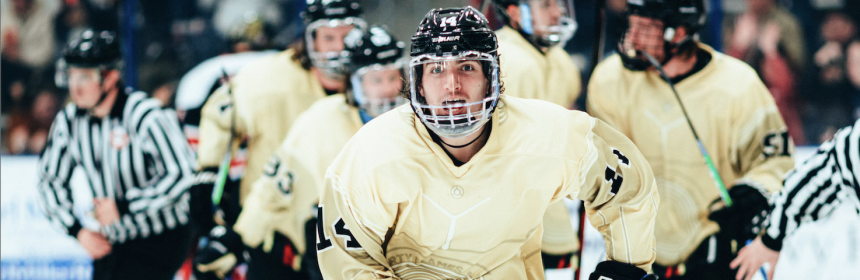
118	138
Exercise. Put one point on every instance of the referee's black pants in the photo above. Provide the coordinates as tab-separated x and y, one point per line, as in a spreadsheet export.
153	258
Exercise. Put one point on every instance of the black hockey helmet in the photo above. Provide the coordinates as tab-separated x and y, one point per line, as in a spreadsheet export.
452	30
331	9
375	47
673	13
93	49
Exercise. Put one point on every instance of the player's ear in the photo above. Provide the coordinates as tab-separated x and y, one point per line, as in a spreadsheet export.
514	14
680	33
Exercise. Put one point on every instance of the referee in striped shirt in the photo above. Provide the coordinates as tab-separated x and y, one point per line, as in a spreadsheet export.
826	180
136	160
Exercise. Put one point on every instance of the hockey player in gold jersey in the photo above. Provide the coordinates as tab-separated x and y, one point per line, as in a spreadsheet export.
735	119
536	66
278	210
455	185
531	50
259	106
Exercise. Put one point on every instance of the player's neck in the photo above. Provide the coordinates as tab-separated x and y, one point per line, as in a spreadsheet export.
464	148
327	82
680	65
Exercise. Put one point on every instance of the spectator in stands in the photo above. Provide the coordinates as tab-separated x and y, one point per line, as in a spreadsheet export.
769	39
27	27
836	97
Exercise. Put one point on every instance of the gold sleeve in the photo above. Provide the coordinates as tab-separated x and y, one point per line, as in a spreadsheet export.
559	238
350	233
620	194
598	104
280	200
215	123
762	148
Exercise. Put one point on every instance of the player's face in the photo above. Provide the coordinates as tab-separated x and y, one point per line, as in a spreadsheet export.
545	13
645	34
85	86
330	39
454	82
383	84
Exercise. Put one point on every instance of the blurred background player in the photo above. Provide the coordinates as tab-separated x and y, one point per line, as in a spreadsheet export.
455	186
258	106
769	38
278	212
811	192
739	125
536	66
137	163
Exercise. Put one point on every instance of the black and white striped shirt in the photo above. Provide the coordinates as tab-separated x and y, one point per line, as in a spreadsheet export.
826	180
136	155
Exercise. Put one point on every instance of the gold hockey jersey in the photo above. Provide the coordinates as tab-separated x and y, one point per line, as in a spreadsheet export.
736	119
527	73
282	199
395	206
267	96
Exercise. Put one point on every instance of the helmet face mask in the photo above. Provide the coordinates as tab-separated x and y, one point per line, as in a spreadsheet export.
548	22
376	88
643	35
652	26
454	95
326	56
330	17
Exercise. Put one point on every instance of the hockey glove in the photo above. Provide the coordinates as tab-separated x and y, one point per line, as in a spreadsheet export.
220	255
613	270
201	200
743	220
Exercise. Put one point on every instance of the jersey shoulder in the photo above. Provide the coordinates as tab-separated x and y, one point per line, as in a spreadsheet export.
746	87
388	138
532	126
270	75
329	119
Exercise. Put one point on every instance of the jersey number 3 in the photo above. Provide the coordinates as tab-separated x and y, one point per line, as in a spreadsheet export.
340	230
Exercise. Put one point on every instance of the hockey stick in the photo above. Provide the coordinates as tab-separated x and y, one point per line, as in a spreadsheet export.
596	54
718	181
224	167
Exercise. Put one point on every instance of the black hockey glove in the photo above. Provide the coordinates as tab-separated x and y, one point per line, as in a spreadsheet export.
201	200
219	255
743	220
613	270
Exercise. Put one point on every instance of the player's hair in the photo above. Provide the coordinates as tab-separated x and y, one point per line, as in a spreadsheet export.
301	55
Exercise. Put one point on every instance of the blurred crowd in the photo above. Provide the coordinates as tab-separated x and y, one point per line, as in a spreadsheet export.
807	52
